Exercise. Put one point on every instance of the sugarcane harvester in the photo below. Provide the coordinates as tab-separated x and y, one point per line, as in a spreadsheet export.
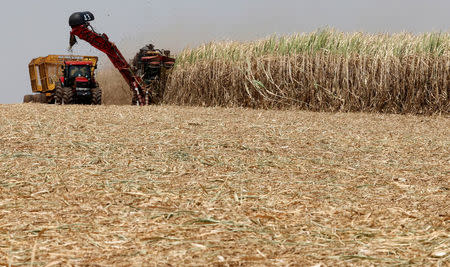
81	28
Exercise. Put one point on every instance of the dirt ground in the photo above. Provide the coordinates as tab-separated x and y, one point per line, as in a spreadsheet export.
166	185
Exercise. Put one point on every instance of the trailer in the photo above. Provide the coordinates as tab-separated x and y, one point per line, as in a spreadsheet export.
50	74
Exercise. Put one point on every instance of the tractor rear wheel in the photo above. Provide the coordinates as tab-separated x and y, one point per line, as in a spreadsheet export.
67	96
96	96
27	99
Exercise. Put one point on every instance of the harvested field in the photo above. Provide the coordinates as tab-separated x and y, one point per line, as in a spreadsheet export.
321	71
166	185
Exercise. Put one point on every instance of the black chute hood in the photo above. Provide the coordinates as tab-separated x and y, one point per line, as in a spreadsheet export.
80	18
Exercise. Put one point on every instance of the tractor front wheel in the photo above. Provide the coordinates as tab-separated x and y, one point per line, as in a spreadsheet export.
96	96
58	95
67	96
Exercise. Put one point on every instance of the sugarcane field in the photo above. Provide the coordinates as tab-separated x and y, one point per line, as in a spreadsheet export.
214	138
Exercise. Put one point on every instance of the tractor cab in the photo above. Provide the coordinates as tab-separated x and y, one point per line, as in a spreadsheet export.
79	75
77	71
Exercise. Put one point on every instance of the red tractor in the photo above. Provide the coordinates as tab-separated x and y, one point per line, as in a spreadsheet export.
78	85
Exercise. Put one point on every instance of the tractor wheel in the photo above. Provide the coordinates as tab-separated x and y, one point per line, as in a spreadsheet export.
58	95
27	99
67	96
96	96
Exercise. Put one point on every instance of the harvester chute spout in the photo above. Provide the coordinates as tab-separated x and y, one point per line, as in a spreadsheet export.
77	19
80	18
73	41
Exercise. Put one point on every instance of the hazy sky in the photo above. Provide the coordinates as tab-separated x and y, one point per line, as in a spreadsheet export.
36	28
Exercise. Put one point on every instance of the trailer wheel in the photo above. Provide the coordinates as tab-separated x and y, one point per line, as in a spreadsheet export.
42	98
96	96
36	98
27	98
67	96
